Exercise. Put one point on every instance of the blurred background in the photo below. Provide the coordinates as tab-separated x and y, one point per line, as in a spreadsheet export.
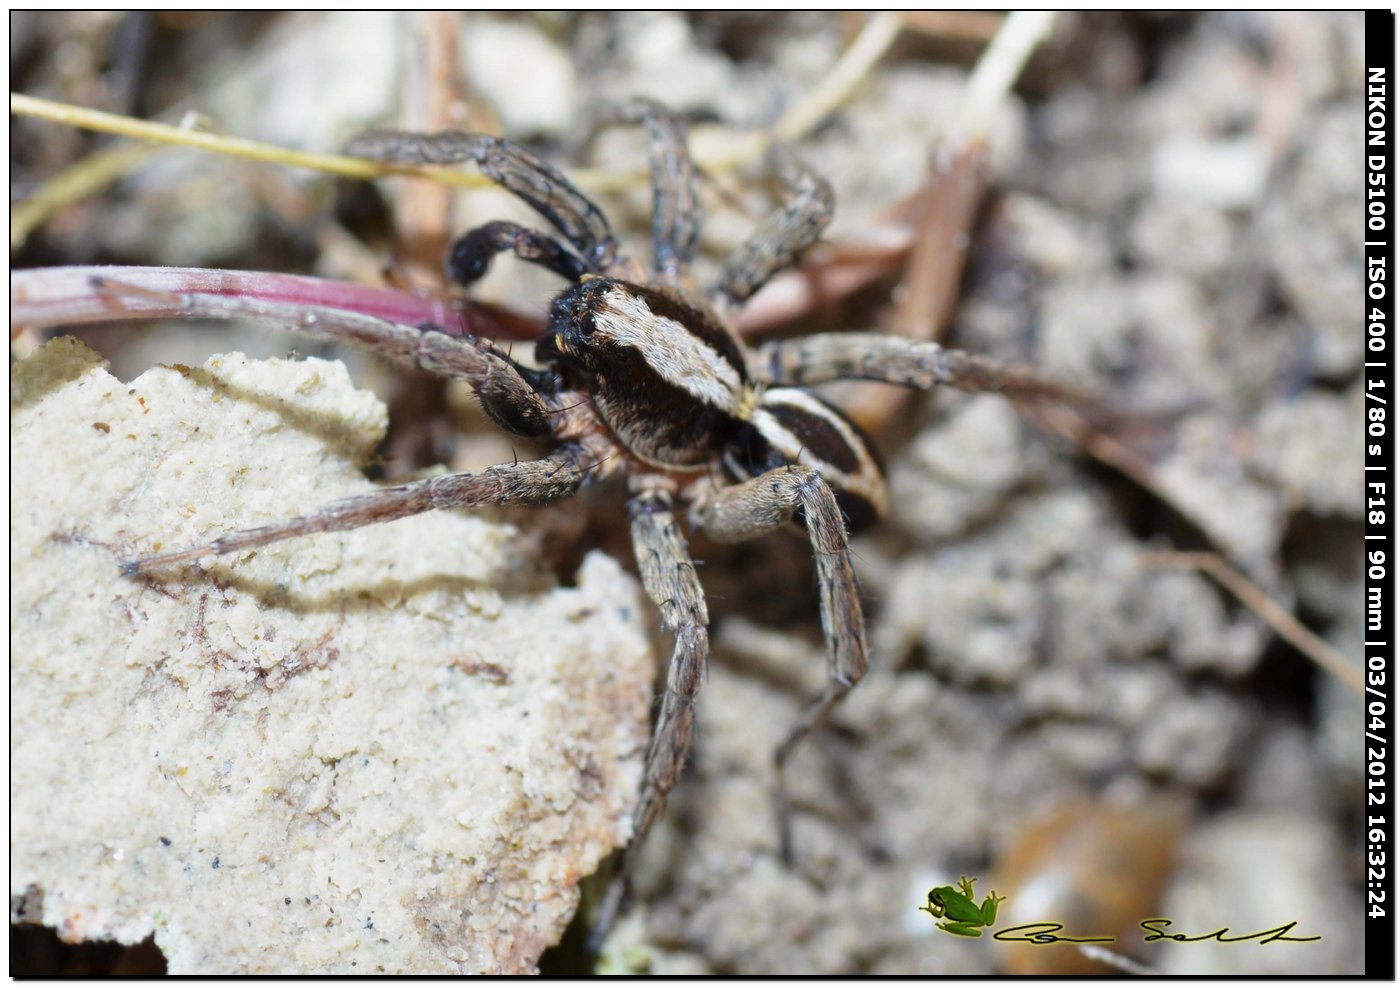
1075	696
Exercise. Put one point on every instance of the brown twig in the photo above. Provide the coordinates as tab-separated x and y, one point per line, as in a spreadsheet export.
430	96
829	273
955	190
1113	453
933	268
1282	622
961	25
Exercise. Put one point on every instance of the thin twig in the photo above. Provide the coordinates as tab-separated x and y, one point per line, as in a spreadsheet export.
164	133
1257	601
429	97
961	25
718	149
1098	443
1097	953
1120	457
1000	66
954	192
836	86
74	183
840	82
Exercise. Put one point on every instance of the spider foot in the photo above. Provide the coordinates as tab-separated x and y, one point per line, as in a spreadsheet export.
608	910
140	566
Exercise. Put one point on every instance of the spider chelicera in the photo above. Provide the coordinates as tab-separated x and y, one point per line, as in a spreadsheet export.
640	376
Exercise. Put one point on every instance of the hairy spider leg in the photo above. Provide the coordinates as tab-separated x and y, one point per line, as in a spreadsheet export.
668	575
892	359
781	237
676	214
545	188
553	477
760	505
510	394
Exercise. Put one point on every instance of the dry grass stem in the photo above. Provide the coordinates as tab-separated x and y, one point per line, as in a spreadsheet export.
1282	622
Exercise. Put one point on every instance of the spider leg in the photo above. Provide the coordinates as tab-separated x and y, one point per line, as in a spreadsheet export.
780	238
509	393
545	188
668	575
676	213
737	513
893	359
470	257
537	481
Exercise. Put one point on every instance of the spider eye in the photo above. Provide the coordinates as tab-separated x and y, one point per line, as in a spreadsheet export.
573	311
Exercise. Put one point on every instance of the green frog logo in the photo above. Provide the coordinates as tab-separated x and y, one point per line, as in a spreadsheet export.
958	905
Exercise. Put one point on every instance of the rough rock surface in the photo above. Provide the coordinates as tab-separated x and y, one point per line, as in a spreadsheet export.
396	749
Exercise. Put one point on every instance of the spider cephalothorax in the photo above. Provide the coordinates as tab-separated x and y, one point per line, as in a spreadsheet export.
643	377
665	374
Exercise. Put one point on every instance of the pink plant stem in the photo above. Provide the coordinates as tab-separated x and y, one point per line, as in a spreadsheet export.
48	296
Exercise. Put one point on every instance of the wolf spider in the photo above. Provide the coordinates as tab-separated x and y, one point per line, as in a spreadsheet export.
641	376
